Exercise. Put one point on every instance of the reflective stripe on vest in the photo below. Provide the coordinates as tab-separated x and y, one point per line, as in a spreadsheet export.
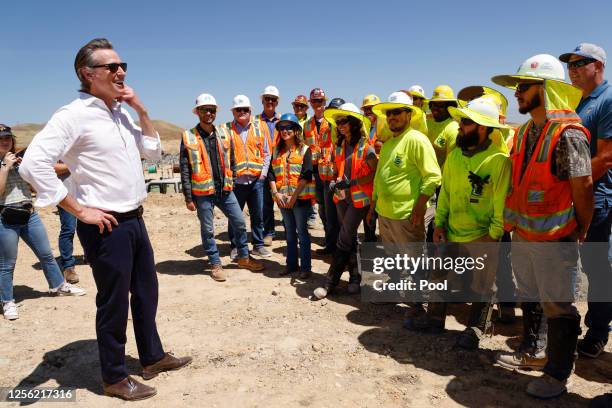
540	206
361	194
316	139
249	156
202	182
264	129
287	168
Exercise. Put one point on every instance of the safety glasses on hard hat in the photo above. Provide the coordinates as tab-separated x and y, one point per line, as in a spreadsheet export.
580	63
112	67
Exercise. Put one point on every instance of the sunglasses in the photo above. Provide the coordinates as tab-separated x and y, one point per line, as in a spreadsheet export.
317	101
285	127
270	99
207	110
113	66
580	63
242	110
300	105
342	122
395	112
467	122
367	111
521	88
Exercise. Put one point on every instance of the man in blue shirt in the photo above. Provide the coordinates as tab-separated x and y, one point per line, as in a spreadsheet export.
269	100
586	65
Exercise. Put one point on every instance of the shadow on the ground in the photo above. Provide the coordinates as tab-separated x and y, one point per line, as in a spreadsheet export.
74	365
22	292
476	381
80	260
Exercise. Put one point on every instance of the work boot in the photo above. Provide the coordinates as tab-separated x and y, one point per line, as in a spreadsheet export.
339	263
546	387
250	264
432	322
591	347
478	324
563	335
531	354
218	273
70	275
354	285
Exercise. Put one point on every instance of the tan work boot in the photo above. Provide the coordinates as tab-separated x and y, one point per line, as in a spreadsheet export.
218	273
250	264
70	275
522	360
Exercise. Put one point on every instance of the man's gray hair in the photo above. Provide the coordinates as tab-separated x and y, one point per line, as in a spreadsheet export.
84	58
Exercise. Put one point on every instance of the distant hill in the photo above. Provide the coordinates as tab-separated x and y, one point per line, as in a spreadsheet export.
169	133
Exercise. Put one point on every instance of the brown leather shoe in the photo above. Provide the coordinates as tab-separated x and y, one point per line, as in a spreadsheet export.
218	273
168	363
129	389
250	264
70	275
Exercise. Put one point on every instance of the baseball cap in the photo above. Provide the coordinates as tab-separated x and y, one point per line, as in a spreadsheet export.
586	50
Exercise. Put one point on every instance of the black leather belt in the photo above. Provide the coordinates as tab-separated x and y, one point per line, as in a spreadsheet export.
137	213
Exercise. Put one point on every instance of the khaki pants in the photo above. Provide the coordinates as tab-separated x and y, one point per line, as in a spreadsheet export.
546	272
400	231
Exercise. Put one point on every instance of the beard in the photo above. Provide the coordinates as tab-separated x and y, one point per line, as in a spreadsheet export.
467	140
534	103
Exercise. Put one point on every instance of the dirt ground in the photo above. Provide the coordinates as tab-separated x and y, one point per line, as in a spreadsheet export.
258	340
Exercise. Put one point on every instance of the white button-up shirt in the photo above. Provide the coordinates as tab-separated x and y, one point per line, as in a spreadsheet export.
101	147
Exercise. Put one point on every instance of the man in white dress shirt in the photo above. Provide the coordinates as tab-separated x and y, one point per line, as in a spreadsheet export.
97	139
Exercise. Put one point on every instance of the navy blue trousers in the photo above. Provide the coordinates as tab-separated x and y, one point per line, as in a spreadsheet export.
122	263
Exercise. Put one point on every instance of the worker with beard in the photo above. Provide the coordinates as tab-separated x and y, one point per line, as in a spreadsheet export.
475	183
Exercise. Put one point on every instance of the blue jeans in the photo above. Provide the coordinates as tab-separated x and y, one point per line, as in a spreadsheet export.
35	236
268	212
228	204
252	196
296	228
594	257
66	236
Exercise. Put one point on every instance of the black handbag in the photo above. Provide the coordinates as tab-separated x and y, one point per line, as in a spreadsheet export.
16	215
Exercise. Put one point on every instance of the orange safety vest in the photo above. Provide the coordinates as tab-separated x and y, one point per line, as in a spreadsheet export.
361	194
250	157
287	167
264	129
318	140
202	182
540	206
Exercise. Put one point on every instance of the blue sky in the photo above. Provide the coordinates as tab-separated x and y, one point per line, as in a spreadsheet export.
177	50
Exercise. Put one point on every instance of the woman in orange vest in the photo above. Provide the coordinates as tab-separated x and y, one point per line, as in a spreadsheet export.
354	168
293	190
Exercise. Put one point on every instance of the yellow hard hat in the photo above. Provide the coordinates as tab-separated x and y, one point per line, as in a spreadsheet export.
370	100
443	93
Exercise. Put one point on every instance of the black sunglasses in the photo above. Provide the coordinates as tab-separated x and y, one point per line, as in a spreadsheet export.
317	101
242	110
395	112
207	110
467	122
580	63
285	127
113	66
342	122
270	99
520	88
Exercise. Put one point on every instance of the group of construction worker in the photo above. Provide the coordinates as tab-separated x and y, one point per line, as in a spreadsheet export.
443	169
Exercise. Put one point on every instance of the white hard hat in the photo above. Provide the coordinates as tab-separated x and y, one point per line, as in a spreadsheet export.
400	97
204	99
417	90
351	107
538	67
271	90
241	101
